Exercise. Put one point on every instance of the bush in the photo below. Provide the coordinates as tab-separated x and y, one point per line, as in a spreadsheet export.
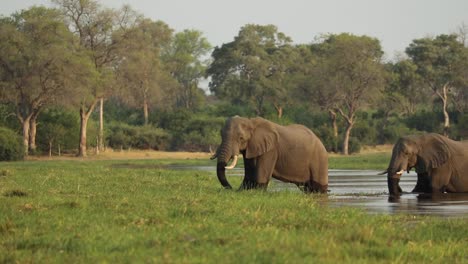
424	121
125	136
200	134
58	128
354	145
148	137
11	147
325	134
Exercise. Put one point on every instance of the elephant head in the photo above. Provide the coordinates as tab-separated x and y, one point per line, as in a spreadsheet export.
423	153
251	137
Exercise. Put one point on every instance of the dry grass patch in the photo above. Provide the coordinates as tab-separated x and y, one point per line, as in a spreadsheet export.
130	155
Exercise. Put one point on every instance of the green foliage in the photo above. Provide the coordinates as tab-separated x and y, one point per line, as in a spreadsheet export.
192	132
227	109
11	145
427	121
325	134
57	127
7	117
461	129
125	136
253	68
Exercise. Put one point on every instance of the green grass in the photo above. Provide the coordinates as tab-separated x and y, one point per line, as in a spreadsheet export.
138	212
374	161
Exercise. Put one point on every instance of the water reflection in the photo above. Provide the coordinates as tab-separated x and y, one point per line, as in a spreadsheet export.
368	190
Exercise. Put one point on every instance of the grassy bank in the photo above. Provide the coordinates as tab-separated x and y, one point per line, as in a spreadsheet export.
138	211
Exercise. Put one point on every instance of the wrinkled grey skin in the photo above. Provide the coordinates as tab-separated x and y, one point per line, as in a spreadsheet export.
441	164
287	153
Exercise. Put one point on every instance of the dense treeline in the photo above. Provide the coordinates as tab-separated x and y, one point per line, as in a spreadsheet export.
81	75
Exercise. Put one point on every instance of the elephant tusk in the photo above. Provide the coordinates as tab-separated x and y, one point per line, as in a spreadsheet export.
400	172
233	164
383	172
213	154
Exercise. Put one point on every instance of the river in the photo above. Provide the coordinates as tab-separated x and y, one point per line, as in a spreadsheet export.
366	189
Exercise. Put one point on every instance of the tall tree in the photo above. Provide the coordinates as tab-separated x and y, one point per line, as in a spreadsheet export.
37	59
94	27
140	72
441	62
248	69
351	76
184	59
403	86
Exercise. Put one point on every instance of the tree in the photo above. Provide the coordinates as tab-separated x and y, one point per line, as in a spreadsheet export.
405	87
139	71
349	76
441	62
184	60
250	69
37	59
94	27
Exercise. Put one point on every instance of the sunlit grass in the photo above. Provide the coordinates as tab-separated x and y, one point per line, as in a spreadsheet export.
141	211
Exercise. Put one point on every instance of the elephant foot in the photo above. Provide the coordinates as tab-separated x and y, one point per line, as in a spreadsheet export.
315	187
262	186
423	185
247	185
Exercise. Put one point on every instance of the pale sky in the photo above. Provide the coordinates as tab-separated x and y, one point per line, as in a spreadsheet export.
394	22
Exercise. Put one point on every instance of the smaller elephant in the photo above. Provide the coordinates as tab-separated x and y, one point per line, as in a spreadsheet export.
441	164
288	153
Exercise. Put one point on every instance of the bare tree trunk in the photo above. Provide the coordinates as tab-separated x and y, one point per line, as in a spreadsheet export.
32	131
84	117
100	143
83	127
145	111
50	148
444	97
279	110
350	123
25	124
333	123
346	139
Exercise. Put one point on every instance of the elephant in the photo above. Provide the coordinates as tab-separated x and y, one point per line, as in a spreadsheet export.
440	163
290	153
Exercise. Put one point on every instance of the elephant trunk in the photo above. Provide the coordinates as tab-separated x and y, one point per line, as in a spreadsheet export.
223	155
393	186
397	166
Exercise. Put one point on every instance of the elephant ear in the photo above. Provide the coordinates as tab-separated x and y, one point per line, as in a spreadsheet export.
264	138
434	152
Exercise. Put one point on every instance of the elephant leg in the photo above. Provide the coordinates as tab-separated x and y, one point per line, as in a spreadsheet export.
265	167
423	185
250	178
318	181
440	178
315	187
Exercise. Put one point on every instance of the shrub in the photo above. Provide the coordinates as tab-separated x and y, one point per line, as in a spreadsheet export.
424	121
146	137
325	134
200	134
11	147
58	128
354	145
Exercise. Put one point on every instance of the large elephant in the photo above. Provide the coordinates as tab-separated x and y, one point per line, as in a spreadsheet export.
288	153
441	164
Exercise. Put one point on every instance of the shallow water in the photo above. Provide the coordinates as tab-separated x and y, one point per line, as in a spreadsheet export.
366	189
